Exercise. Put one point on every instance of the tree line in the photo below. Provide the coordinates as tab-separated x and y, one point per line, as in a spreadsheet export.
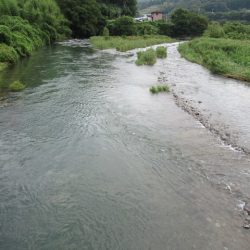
200	5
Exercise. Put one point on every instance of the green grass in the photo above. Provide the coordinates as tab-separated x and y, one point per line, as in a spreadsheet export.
129	42
161	52
16	86
147	57
227	57
159	88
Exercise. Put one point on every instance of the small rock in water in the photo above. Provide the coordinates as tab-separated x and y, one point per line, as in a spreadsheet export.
247	208
199	102
246	224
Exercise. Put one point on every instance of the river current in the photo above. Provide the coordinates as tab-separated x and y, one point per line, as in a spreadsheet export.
89	159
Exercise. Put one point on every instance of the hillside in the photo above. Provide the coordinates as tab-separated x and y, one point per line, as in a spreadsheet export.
229	9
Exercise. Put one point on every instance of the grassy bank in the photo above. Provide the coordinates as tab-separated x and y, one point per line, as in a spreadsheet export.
129	42
227	57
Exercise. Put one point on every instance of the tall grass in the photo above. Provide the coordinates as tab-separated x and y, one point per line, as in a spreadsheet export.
227	57
161	52
147	57
129	42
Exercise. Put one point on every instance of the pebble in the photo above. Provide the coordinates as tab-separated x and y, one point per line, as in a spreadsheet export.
247	208
246	224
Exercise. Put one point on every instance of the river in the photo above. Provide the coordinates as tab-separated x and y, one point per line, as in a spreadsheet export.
89	159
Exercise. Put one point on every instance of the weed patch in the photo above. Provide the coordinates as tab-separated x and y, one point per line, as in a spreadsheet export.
147	57
227	57
16	86
159	88
161	52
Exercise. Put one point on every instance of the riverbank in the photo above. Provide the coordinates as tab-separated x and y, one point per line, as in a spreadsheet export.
126	43
227	57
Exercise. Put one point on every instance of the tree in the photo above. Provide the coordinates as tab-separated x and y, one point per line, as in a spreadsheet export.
187	23
84	15
124	25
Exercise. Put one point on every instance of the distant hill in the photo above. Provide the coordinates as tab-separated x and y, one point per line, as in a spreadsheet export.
210	7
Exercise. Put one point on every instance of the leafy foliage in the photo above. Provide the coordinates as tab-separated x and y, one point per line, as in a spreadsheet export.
26	25
8	54
186	23
88	17
124	25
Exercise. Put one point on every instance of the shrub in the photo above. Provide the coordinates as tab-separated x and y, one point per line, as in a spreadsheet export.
105	31
16	86
161	52
8	54
122	26
146	28
159	88
165	28
187	23
5	35
215	30
147	57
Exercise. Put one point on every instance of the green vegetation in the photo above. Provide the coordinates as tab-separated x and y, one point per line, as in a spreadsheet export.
27	25
186	23
147	57
88	17
159	88
127	43
231	30
122	26
16	86
227	57
161	52
215	9
2	67
183	23
224	49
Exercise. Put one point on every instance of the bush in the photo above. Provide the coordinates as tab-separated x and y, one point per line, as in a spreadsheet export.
8	54
161	52
237	30
146	28
16	86
159	88
122	26
186	23
165	28
147	57
215	30
105	31
5	35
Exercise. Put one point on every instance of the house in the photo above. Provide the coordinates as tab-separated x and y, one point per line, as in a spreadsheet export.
143	18
157	15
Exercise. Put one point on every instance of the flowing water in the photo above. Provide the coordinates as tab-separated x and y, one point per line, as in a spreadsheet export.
89	159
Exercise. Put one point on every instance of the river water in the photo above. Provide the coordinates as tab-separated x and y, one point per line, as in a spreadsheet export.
90	159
